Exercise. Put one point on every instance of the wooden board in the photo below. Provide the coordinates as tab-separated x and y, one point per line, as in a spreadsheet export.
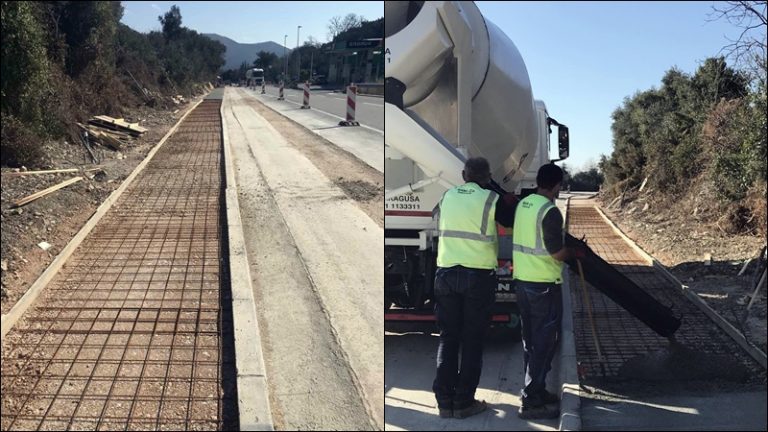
118	124
44	192
56	171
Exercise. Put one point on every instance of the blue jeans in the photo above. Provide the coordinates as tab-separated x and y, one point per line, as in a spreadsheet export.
464	300
541	313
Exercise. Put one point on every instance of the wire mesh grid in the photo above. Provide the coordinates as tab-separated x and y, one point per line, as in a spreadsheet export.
135	332
620	335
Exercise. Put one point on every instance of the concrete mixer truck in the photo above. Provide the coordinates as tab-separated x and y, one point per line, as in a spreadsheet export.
455	87
254	77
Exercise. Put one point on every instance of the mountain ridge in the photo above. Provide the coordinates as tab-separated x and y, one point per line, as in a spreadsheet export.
237	52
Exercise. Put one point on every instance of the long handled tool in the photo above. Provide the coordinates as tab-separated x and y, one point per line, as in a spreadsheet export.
588	304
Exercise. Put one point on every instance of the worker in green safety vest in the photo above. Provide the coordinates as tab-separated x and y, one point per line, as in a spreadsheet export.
465	285
538	253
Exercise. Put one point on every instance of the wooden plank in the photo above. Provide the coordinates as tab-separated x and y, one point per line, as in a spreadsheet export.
21	173
44	192
116	134
107	140
134	127
55	171
643	185
114	127
94	128
112	142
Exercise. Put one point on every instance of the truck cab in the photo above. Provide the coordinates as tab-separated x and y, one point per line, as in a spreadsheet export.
543	154
254	77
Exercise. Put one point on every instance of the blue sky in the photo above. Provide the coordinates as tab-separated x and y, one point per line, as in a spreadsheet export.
250	22
583	58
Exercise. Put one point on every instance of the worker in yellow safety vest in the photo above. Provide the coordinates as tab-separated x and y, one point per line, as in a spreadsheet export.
465	285
538	253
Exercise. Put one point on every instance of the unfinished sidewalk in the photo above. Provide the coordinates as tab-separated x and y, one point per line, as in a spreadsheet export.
136	330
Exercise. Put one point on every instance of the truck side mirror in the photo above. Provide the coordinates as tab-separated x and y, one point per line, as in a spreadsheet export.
562	141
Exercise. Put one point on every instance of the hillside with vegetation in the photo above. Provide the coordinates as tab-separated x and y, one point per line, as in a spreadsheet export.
687	176
64	61
696	144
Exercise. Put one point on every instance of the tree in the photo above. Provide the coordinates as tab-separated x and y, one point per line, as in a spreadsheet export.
587	181
311	41
339	24
264	59
363	30
270	62
25	66
171	22
242	70
749	50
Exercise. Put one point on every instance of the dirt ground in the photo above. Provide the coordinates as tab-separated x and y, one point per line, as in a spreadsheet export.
57	217
706	260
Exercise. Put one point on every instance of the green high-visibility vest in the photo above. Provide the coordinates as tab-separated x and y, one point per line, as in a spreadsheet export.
467	227
530	259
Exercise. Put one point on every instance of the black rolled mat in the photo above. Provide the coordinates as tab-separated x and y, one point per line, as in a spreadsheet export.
623	291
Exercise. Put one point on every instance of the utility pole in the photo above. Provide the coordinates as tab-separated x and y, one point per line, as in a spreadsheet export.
285	58
311	63
298	55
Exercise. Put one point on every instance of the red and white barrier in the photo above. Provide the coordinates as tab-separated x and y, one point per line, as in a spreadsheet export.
282	96
351	102
306	96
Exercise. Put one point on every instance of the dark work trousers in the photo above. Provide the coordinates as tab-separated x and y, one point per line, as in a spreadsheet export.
463	302
541	313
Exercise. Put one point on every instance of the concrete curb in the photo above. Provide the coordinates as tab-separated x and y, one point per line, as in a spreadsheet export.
735	334
645	255
252	391
570	400
28	299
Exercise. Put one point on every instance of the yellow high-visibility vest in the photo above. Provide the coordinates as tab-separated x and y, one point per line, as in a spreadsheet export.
531	261
467	227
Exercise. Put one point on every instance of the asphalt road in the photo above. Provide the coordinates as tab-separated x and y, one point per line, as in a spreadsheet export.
369	109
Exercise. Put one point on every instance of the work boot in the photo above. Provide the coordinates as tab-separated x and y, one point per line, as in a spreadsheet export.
542	398
476	407
445	407
538	412
549	398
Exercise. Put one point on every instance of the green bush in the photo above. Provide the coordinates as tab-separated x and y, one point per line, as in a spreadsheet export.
689	126
21	146
25	69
